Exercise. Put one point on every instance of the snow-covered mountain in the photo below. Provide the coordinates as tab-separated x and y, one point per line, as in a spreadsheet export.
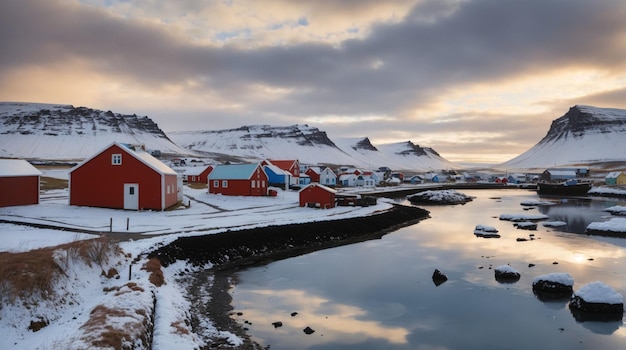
63	132
584	135
310	146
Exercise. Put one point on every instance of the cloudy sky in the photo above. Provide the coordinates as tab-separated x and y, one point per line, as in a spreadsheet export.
477	80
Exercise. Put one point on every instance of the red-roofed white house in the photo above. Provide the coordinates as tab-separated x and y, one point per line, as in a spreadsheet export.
19	183
317	196
124	177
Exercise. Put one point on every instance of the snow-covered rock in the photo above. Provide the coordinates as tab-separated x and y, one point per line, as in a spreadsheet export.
597	301
486	231
443	197
526	225
612	227
506	274
523	217
553	286
616	210
534	203
553	223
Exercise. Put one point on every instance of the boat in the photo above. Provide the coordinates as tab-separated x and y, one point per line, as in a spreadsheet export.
567	188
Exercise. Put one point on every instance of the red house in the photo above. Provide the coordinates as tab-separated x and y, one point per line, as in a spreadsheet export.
314	174
292	166
19	183
317	196
198	174
238	180
123	177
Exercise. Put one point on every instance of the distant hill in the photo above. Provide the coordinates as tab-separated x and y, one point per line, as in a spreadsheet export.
38	131
584	135
310	146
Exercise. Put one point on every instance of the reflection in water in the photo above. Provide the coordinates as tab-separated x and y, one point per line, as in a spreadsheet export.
380	293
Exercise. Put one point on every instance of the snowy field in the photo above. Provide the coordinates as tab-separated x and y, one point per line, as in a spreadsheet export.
81	289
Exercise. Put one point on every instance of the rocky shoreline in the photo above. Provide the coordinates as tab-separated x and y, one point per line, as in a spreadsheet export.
231	251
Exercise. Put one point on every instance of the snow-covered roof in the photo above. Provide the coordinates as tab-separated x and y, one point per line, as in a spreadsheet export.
325	188
233	171
195	170
276	170
17	167
136	153
613	174
562	172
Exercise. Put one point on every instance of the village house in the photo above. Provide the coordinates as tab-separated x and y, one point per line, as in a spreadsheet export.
555	175
615	178
317	196
291	165
197	174
347	180
304	180
328	177
313	173
238	180
276	176
124	176
19	183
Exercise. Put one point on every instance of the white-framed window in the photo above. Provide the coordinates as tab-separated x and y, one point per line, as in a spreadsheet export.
263	184
252	183
216	183
224	183
116	159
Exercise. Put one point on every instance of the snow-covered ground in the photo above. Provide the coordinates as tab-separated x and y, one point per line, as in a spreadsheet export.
82	289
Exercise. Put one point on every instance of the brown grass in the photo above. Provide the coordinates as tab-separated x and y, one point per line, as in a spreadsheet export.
108	336
156	274
32	273
197	186
180	328
51	183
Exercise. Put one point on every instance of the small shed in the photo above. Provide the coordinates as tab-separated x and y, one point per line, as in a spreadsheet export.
277	176
123	176
317	196
19	183
197	174
313	173
615	178
238	180
551	175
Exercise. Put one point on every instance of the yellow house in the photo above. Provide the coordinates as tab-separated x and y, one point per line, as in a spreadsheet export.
615	178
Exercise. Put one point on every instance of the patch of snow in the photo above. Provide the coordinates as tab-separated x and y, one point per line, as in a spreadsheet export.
599	292
616	210
557	277
523	217
486	228
533	203
553	223
612	225
600	190
506	269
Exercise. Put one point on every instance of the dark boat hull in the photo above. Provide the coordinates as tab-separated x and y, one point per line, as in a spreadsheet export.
580	189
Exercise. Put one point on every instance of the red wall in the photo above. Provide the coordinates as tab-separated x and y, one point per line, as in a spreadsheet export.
315	194
202	178
98	183
242	187
19	190
315	177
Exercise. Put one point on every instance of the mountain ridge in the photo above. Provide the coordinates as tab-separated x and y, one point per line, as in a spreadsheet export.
583	135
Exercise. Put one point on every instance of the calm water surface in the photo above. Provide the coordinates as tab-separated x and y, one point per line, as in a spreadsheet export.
380	295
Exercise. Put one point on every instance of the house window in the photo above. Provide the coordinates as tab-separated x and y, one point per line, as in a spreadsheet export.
216	183
116	159
252	183
263	183
224	183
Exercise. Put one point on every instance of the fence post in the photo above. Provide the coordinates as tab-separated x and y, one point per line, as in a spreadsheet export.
111	225
130	271
127	223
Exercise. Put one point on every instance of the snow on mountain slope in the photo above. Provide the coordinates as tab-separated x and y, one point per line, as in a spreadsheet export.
401	155
63	132
585	134
310	146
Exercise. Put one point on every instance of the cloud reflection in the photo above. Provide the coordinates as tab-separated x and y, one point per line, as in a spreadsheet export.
336	322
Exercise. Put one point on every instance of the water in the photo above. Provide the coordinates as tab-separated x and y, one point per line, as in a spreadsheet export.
380	295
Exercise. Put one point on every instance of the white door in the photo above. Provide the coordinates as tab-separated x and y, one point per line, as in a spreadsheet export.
131	196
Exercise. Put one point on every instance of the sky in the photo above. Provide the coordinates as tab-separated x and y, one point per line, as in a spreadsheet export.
477	80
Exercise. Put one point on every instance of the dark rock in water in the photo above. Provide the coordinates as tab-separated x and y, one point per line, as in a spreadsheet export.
521	239
597	301
277	324
526	225
439	278
293	314
546	290
585	311
308	330
506	274
531	265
